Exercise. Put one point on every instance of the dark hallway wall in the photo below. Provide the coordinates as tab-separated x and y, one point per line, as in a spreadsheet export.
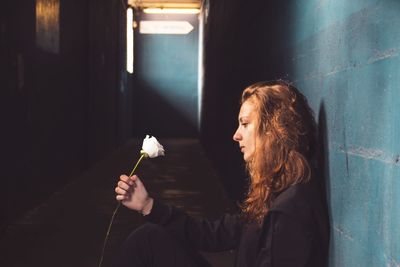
243	41
45	95
109	98
60	107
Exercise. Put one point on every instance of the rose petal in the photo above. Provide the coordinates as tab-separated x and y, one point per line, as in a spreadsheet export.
152	147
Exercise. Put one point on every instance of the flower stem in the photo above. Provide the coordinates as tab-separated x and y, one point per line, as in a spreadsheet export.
108	233
137	163
115	212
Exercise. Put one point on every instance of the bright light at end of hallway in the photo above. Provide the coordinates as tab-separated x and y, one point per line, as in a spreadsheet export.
129	40
171	10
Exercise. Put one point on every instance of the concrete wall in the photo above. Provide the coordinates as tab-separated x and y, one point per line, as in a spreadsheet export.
344	56
165	91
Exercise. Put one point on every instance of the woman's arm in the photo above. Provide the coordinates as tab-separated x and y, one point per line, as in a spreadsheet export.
209	235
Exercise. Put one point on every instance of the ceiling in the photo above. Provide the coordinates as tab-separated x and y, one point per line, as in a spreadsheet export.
165	3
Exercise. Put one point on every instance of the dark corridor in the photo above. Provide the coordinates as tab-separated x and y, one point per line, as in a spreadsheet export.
73	116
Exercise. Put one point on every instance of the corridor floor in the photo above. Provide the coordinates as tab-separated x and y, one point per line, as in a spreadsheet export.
68	230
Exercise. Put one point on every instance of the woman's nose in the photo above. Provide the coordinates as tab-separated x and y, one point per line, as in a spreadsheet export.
236	136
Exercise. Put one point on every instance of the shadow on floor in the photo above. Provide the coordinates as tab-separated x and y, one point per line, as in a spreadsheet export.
69	228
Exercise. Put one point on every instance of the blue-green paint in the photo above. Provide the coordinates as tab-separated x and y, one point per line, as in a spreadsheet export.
345	57
166	78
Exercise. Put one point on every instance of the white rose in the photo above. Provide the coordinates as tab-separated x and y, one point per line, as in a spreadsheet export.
151	147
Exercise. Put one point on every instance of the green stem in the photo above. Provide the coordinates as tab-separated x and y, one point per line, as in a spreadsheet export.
137	163
115	212
108	233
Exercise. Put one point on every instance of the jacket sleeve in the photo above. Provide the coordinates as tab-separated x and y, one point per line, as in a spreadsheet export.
286	242
208	235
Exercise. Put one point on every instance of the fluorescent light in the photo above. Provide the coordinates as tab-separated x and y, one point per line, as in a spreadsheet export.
171	10
129	40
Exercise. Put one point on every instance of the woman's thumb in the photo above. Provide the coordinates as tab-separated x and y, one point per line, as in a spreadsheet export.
137	181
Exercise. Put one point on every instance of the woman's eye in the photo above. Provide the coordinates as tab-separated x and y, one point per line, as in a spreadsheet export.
244	124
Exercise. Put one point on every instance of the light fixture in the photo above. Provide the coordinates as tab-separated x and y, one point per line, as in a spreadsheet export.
129	40
171	10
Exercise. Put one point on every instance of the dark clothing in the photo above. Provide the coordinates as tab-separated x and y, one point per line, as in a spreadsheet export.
295	232
152	246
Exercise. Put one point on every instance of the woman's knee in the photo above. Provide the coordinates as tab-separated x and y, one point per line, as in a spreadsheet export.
139	244
146	233
151	245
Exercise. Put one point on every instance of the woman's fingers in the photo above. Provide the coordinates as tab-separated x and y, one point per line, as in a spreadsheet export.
120	191
133	179
136	181
121	197
126	179
121	194
124	185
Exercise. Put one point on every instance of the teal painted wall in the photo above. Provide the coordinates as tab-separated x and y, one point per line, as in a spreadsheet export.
165	79
344	55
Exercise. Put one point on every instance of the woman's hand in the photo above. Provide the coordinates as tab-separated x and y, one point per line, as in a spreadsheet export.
133	195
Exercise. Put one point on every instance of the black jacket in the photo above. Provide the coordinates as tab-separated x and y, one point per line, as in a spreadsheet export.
295	232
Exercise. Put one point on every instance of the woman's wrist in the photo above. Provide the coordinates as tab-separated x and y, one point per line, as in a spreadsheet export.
148	205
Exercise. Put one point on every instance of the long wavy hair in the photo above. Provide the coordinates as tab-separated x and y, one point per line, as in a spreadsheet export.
285	143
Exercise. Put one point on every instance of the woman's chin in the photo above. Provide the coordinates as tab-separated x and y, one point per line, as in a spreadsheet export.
246	158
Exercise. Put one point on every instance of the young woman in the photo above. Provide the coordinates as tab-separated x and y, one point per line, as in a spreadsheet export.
283	220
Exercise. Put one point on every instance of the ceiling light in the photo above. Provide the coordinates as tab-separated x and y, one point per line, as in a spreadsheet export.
171	10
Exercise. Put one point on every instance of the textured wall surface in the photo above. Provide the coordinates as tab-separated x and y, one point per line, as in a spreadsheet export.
345	58
62	107
165	79
44	93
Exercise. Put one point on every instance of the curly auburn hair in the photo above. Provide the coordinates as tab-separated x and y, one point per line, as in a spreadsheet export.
284	144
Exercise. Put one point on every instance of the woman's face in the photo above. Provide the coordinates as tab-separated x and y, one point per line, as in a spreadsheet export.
245	134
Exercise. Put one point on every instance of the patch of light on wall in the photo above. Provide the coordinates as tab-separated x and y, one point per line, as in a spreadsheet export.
48	25
171	10
129	40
